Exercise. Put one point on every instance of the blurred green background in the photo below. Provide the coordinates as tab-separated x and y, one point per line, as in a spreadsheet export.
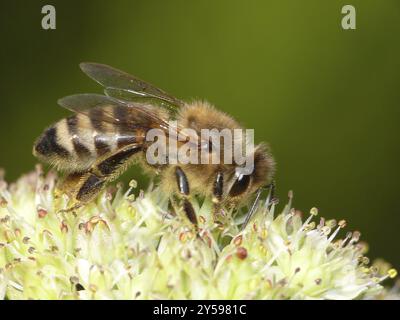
326	99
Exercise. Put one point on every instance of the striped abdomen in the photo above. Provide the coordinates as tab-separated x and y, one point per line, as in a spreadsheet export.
74	143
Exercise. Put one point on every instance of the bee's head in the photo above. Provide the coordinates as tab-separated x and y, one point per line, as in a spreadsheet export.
241	184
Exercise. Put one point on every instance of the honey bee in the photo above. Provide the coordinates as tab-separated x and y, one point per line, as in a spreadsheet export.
107	133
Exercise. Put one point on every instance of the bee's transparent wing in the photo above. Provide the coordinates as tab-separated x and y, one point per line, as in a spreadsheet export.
124	86
100	108
128	95
124	115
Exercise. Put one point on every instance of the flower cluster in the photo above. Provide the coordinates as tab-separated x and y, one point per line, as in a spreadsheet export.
127	247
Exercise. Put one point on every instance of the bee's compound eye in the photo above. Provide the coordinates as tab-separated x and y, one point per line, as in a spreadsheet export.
241	184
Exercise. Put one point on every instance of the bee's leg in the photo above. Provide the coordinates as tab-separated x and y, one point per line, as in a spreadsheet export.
81	187
69	186
218	187
90	187
184	194
171	206
105	169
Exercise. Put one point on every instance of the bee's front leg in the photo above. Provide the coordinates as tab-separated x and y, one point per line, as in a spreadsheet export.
184	194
